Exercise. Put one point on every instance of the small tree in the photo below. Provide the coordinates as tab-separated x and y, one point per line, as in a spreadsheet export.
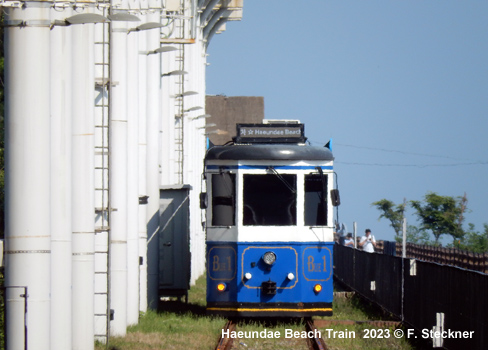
441	214
393	212
473	241
417	236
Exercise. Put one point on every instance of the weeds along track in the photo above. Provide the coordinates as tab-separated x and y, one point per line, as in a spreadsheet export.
299	336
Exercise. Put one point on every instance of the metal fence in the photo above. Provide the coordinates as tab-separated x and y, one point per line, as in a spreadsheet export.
441	255
425	296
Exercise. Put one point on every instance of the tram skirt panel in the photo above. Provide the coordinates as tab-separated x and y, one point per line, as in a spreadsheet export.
269	279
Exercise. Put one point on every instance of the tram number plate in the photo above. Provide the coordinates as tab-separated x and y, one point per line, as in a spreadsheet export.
317	263
221	263
313	266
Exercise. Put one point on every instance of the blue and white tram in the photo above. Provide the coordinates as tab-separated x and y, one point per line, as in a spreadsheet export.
269	224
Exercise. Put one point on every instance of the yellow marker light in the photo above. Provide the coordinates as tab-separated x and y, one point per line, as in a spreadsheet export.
317	288
221	287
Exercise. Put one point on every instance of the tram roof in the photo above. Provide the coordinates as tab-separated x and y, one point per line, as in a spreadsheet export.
268	152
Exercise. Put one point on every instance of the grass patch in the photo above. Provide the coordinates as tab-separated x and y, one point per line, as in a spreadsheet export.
270	325
355	336
186	326
168	331
355	308
176	325
387	342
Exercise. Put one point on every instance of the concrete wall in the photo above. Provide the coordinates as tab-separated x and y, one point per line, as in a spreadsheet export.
225	112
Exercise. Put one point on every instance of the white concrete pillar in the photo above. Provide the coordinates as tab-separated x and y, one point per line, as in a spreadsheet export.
61	252
152	159
27	174
142	67
83	202
168	92
133	179
118	178
194	145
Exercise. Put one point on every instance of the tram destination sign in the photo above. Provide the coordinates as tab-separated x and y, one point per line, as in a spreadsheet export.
270	133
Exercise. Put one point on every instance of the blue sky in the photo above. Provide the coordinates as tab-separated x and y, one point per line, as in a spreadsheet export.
401	86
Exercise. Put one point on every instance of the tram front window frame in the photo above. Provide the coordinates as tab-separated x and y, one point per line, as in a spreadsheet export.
316	204
223	199
269	199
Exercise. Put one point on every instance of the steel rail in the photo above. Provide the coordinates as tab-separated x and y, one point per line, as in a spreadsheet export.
314	343
225	343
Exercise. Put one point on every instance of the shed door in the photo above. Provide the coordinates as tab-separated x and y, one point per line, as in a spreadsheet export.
174	245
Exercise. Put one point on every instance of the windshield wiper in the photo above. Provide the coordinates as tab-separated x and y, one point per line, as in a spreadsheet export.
273	170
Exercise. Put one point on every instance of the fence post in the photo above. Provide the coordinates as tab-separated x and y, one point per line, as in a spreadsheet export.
404	245
354	227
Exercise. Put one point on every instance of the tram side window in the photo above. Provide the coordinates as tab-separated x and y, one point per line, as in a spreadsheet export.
270	200
223	199
315	205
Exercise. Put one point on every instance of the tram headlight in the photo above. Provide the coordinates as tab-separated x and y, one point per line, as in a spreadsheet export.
247	276
269	258
221	287
291	276
317	288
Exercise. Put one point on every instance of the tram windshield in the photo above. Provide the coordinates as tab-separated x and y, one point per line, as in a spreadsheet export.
270	200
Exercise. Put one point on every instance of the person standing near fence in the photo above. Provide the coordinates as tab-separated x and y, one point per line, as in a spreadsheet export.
349	241
367	242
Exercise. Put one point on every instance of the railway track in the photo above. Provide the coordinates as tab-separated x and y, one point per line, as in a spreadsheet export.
313	343
225	343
